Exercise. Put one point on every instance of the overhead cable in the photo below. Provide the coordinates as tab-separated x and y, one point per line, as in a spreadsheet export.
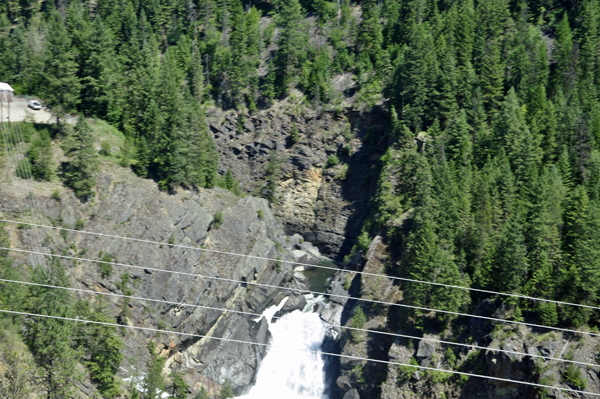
366	359
308	292
329	325
304	264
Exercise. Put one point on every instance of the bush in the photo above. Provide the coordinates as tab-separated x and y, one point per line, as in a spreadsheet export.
294	135
105	148
79	224
277	264
56	195
260	213
332	161
358	321
572	375
218	219
23	169
106	268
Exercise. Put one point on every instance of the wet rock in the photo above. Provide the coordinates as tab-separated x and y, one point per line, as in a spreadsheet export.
352	394
294	302
331	313
336	290
344	382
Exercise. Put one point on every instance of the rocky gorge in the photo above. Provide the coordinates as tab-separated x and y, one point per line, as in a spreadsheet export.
324	179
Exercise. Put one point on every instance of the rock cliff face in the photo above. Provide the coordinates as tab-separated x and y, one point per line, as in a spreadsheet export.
317	197
128	206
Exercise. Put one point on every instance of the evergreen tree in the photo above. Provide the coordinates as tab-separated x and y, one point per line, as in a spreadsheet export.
80	171
563	73
154	383
104	347
292	42
51	340
39	156
226	391
61	86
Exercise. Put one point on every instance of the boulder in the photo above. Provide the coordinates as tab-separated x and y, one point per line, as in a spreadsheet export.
352	394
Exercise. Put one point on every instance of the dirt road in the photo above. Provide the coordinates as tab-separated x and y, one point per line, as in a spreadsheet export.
19	111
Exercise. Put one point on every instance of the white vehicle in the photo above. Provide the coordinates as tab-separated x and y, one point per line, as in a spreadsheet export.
34	104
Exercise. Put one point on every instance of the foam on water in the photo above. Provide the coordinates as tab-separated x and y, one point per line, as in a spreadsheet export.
292	374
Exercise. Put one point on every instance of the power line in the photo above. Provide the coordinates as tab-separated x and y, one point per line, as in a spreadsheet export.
310	292
15	142
298	321
306	264
302	350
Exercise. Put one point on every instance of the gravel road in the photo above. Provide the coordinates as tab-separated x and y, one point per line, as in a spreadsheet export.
19	111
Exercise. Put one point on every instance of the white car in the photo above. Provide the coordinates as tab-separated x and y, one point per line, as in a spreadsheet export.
34	104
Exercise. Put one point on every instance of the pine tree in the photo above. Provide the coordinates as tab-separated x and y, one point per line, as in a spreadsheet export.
226	390
370	37
292	42
465	32
154	383
62	86
563	73
459	144
104	346
492	77
80	171
51	340
39	156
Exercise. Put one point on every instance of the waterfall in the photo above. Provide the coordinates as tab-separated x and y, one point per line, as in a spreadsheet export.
298	373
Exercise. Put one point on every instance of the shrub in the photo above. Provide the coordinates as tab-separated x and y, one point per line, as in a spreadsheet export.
23	169
294	135
277	264
79	224
332	161
105	148
358	321
572	375
218	219
260	214
106	268
56	195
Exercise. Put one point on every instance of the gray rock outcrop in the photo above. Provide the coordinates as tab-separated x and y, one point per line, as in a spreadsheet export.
201	272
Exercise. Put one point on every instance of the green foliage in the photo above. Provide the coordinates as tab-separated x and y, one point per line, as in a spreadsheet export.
260	213
51	340
294	134
179	387
79	224
358	321
269	190
333	160
226	391
202	394
103	347
80	171
106	268
230	183
56	195
154	382
39	156
105	148
572	376
218	219
277	264
16	376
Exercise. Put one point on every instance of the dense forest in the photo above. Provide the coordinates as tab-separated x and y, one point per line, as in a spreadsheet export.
492	159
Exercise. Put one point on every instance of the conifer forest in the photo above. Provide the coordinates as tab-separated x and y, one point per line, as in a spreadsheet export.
486	158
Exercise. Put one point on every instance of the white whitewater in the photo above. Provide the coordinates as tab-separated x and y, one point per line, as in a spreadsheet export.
292	374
